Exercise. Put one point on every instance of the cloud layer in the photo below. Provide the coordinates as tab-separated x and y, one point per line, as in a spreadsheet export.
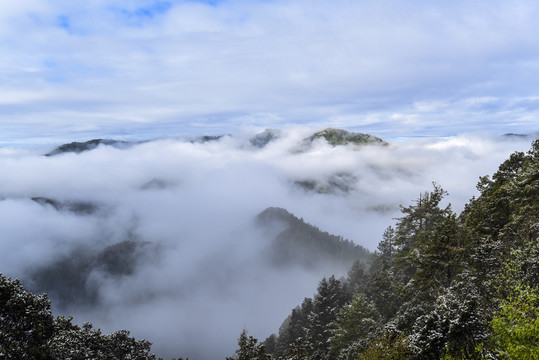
148	68
199	277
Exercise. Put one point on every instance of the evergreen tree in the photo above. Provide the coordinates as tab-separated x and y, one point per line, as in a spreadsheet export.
293	331
29	331
332	295
414	227
249	349
440	286
26	322
356	324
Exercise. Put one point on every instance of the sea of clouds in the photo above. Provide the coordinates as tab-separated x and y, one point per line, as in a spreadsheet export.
201	277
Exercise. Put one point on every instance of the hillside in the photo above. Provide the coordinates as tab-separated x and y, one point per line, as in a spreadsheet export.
78	147
336	137
299	243
441	285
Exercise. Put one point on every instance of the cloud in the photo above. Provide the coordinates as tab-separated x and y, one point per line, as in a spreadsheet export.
183	65
198	275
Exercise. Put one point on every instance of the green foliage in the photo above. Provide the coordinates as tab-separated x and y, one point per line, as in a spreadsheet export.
249	349
26	322
342	137
387	346
29	331
293	332
516	326
356	323
68	279
332	295
441	286
439	258
73	342
415	230
301	243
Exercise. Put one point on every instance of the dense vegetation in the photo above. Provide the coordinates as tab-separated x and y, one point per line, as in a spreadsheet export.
343	137
29	331
440	286
67	280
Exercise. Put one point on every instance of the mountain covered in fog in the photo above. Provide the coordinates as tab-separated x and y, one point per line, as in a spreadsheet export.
337	137
333	183
442	285
263	138
78	147
333	137
299	243
70	278
185	241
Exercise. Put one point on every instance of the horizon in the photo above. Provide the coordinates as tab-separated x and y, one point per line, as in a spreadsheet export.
150	68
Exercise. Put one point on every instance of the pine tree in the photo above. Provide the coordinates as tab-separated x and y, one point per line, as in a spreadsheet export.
332	295
356	324
26	322
249	349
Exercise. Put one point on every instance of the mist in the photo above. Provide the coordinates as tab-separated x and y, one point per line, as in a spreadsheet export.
180	215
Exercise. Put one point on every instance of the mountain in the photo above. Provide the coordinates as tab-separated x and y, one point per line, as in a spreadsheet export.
298	243
263	138
332	184
69	280
206	138
77	207
78	147
336	137
529	136
441	285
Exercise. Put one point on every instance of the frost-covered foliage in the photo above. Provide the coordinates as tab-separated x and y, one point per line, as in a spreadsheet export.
249	349
29	331
441	285
26	322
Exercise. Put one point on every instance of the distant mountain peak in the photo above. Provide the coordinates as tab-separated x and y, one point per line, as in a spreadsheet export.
337	137
207	138
263	138
275	214
298	242
78	147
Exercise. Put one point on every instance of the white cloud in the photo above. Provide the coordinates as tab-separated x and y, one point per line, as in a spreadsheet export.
301	61
204	280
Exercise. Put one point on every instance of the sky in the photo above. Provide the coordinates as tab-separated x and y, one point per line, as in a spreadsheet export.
149	69
440	81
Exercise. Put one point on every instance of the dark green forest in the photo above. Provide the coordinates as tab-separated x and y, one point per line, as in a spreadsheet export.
298	243
441	285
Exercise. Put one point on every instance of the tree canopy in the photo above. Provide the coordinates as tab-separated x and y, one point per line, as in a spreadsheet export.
441	285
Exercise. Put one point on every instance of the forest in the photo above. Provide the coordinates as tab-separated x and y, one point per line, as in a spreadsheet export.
441	285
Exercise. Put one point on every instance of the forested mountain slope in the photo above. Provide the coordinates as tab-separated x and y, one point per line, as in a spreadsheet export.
440	286
299	243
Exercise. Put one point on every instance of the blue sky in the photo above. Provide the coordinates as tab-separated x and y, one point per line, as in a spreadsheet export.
138	69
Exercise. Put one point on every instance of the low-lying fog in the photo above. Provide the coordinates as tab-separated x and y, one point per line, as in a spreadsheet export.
160	235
